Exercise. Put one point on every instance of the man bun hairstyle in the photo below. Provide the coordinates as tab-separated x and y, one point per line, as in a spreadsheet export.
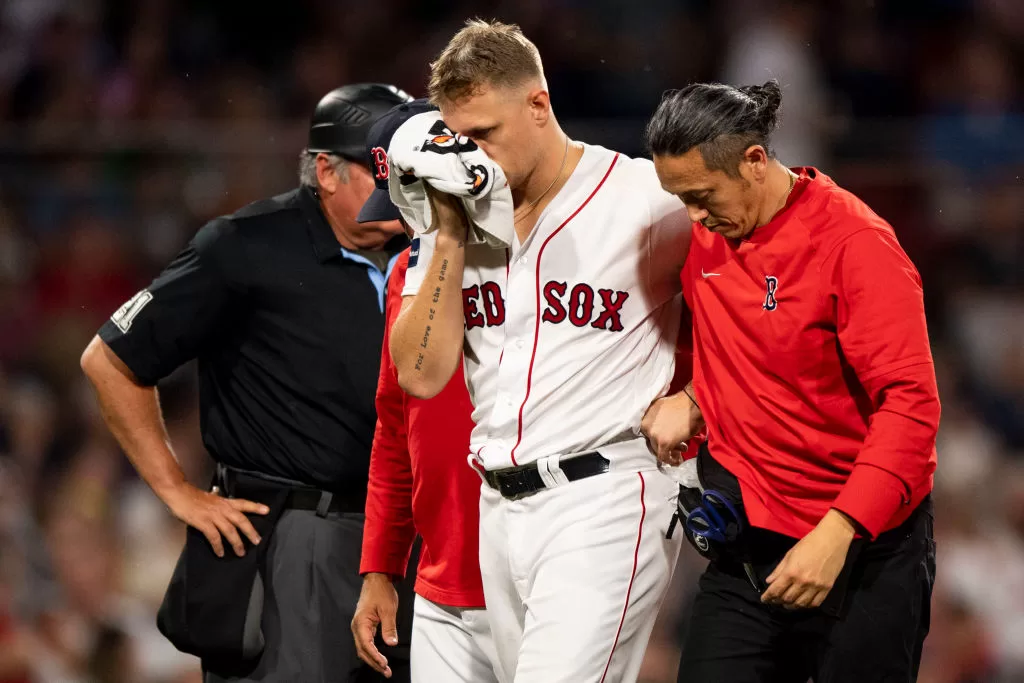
483	53
722	121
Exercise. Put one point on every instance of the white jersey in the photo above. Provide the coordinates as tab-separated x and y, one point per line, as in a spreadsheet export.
571	335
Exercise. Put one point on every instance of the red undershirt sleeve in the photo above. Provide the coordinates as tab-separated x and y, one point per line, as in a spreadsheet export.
389	532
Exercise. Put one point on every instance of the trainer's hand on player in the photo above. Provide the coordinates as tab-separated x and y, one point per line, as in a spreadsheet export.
448	216
216	515
807	573
377	606
668	424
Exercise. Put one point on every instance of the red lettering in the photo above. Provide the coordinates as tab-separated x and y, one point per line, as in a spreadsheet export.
473	317
380	163
610	318
494	305
581	304
553	293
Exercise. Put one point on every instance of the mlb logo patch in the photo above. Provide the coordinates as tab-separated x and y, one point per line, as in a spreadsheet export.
414	252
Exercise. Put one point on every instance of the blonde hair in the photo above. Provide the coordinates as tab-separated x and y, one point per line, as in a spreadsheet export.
483	53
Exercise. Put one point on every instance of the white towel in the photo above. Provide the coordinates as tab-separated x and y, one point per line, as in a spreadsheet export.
684	474
423	149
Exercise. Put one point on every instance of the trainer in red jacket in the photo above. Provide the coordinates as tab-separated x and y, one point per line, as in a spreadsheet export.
420	482
814	375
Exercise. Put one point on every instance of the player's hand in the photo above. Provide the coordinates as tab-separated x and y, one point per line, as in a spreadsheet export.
806	574
447	214
668	424
377	606
215	515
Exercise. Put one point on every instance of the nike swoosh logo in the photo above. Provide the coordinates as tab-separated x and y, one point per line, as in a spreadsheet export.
703	274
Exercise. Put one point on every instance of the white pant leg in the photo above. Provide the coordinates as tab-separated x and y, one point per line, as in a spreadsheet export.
506	613
450	644
596	566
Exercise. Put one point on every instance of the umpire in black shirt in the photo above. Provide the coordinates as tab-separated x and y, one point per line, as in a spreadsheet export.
281	303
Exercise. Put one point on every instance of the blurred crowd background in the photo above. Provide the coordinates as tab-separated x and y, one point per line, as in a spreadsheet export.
126	124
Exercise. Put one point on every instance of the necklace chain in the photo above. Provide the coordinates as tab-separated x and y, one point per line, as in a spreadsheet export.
533	204
792	184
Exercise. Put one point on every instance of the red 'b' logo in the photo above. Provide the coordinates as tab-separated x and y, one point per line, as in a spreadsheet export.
380	163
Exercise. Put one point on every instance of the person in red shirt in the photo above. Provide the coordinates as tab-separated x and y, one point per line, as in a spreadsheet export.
814	377
420	481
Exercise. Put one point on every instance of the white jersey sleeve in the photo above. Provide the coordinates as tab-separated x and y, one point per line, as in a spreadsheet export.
666	233
421	251
670	232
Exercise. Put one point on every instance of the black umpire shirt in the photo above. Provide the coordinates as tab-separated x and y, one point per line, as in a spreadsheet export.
287	330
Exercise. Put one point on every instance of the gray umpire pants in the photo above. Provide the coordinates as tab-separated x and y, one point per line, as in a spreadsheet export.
311	586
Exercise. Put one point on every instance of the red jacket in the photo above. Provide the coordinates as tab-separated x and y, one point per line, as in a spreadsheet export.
812	364
420	481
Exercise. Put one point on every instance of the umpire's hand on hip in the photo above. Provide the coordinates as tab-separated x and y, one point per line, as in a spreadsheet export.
215	515
669	423
806	574
378	606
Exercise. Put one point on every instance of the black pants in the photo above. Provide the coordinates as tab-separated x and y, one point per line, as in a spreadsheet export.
877	635
312	584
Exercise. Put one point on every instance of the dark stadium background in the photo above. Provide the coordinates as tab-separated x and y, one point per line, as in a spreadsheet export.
125	125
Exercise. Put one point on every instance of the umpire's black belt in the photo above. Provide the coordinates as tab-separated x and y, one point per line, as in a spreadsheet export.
326	501
524	480
299	497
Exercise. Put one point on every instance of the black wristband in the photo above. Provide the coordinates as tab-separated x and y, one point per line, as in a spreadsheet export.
692	399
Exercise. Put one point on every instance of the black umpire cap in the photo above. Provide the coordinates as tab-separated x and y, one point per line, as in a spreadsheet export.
343	117
379	207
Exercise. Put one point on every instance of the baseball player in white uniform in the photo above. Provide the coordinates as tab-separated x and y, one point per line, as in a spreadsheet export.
569	336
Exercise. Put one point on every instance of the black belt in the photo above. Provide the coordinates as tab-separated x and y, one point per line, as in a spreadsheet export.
232	482
325	501
518	482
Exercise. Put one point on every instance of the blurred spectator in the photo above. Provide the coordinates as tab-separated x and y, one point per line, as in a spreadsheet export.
957	649
990	330
773	40
112	660
977	125
983	567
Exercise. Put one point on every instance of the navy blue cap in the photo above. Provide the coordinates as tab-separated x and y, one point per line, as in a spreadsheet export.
379	207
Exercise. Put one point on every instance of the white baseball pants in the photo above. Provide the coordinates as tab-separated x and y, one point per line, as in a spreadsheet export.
574	575
451	645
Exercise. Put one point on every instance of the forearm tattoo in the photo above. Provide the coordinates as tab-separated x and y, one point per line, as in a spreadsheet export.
432	312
